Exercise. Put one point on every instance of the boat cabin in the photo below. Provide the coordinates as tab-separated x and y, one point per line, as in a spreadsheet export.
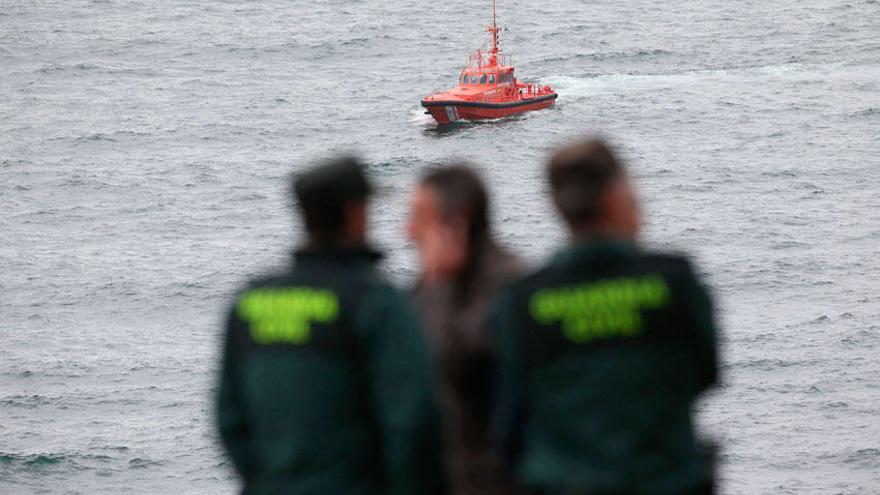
491	76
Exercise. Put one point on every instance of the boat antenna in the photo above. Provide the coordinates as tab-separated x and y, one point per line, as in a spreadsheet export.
494	24
493	55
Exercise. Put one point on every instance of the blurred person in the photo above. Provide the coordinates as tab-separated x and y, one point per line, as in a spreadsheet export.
462	269
326	383
604	350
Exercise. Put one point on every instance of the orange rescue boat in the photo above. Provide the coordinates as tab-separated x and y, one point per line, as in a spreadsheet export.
488	89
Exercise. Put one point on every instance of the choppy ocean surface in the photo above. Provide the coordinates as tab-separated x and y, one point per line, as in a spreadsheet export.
145	145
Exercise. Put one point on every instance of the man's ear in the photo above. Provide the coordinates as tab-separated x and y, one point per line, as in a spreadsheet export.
355	208
609	201
355	219
619	210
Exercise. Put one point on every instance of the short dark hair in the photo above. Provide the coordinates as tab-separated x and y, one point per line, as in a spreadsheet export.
323	191
579	173
461	192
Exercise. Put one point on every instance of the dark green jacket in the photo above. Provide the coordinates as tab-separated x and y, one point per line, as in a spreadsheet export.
326	386
602	353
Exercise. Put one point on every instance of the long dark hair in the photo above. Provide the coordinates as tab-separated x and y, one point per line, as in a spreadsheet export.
461	193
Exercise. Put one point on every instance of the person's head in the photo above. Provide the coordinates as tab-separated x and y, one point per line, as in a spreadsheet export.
592	192
449	218
332	200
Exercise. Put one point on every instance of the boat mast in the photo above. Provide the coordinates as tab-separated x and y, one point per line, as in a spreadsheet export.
494	28
493	54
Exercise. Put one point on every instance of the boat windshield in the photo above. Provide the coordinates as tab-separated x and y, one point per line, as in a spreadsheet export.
483	79
474	79
464	78
492	79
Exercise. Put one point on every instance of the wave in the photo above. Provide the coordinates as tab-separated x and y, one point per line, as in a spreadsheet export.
82	66
95	137
617	82
30	462
72	461
6	163
28	401
867	112
417	116
25	460
605	56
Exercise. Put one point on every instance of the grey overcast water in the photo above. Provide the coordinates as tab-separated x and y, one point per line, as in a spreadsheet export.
145	148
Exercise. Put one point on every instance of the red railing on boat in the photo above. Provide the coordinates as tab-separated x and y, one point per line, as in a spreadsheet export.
530	90
480	60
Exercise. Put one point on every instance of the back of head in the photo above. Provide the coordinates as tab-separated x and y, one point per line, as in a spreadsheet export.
579	174
323	193
462	195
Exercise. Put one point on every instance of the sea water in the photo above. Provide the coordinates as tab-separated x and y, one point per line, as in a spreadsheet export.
145	150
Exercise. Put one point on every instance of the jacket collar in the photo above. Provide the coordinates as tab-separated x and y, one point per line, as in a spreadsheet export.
595	249
337	254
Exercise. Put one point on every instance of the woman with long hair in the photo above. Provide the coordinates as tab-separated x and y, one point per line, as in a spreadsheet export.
462	268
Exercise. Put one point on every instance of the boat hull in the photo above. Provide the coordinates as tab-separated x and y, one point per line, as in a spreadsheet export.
445	112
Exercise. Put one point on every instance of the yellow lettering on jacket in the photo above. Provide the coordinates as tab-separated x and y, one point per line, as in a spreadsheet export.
602	309
285	314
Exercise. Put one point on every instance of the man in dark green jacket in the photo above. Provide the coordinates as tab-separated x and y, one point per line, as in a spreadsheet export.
604	350
326	382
